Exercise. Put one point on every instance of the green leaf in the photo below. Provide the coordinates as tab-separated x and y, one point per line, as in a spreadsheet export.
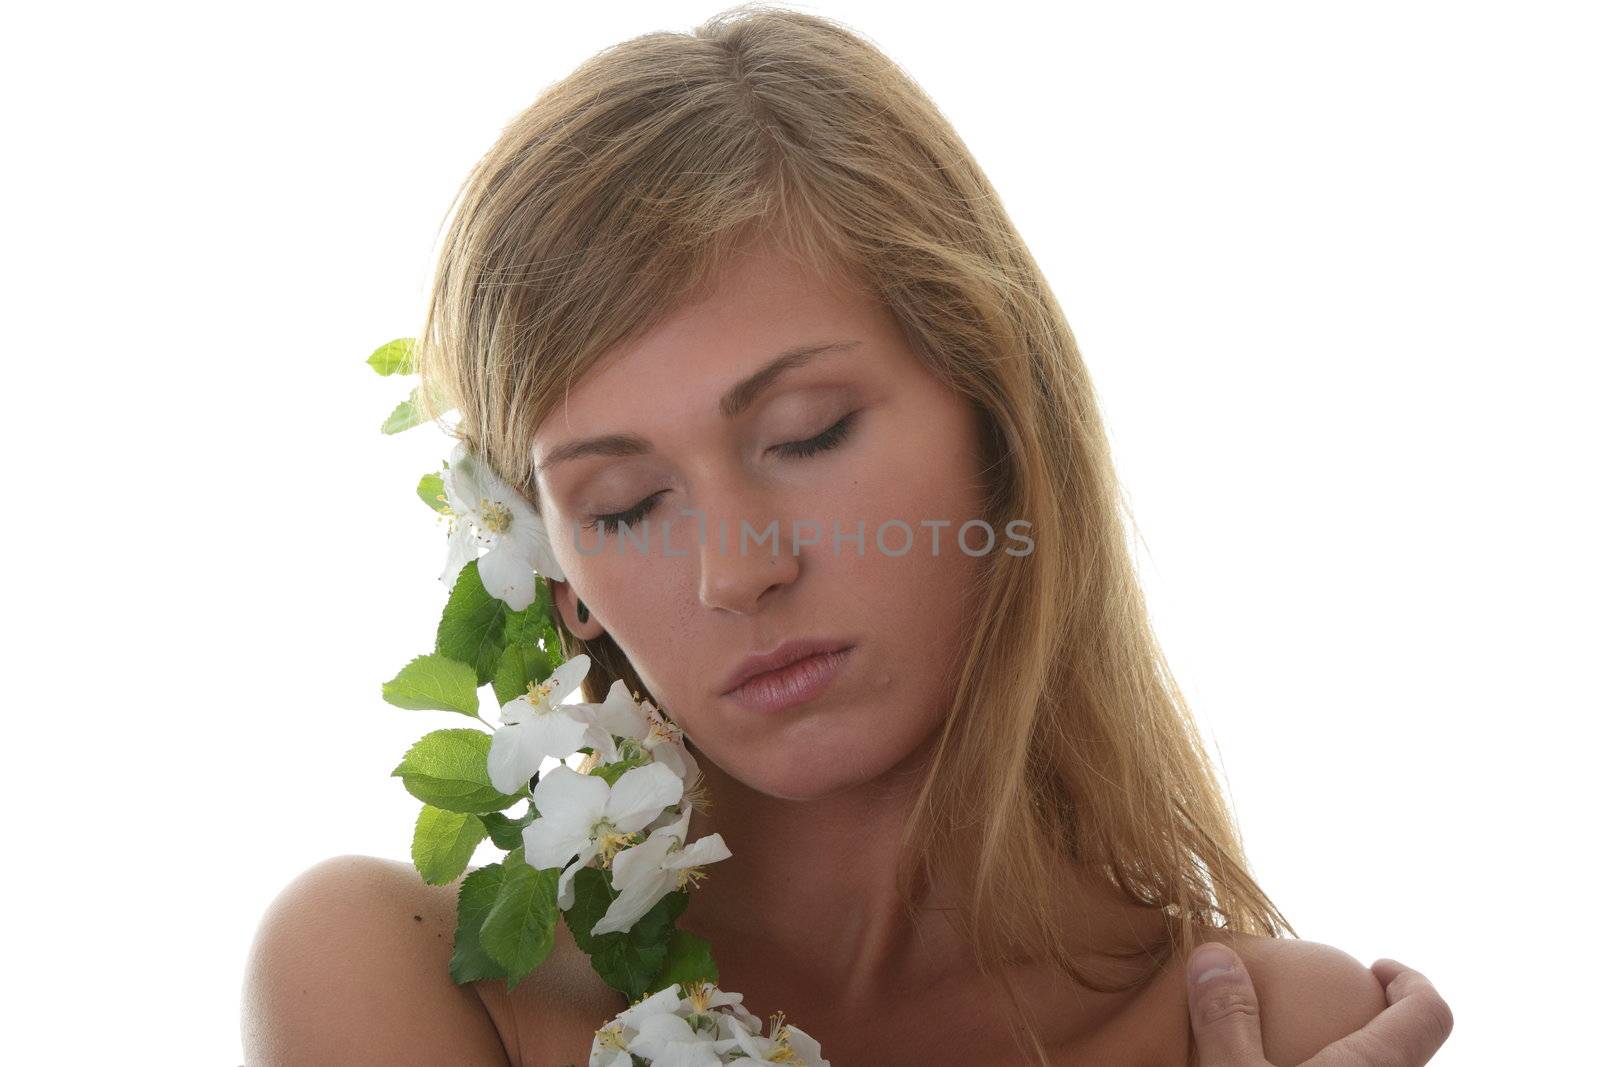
471	629
612	771
506	832
443	843
450	769
688	960
519	930
469	962
405	415
527	626
434	683
626	959
431	490
394	357
518	666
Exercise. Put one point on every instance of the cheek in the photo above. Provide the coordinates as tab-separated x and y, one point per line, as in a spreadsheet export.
921	600
913	607
648	607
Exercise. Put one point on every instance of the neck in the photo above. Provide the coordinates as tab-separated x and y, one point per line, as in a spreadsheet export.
810	891
807	910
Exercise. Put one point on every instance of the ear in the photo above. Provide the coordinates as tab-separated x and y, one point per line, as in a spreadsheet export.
566	602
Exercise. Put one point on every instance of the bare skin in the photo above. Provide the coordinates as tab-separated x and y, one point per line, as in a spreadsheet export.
812	799
1311	994
804	917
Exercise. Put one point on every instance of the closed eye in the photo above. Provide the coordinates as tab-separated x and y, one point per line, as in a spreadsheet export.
830	438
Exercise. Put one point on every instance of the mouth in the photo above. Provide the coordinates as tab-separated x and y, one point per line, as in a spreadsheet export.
787	652
792	673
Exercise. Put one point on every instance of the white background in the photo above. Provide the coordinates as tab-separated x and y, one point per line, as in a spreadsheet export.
1333	268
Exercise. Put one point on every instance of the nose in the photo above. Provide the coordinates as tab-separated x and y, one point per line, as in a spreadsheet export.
742	562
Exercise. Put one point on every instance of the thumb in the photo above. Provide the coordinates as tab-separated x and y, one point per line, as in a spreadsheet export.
1223	1009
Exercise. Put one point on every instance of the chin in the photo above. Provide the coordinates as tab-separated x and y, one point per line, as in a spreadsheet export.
816	758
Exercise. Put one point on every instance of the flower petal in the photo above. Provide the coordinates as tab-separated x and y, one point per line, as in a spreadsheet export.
618	713
640	795
565	678
565	893
753	1045
809	1049
662	1002
702	851
677	757
571	798
638	897
560	735
514	754
733	1002
464	475
507	576
516	710
461	550
540	550
668	1041
637	862
547	843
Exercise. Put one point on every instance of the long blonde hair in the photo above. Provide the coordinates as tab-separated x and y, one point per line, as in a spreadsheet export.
618	195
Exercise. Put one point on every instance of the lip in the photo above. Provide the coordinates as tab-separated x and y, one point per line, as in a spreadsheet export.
779	690
786	655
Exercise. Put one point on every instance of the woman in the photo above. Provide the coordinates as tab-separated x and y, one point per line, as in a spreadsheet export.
746	292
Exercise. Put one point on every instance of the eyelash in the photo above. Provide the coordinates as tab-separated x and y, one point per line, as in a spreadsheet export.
830	438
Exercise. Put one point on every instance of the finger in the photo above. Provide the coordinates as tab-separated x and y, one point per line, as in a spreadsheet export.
1405	1034
1223	1010
1388	970
1403	983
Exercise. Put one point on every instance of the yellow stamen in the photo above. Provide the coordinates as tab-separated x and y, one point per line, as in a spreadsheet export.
690	877
698	797
611	842
494	516
698	993
610	1037
783	1053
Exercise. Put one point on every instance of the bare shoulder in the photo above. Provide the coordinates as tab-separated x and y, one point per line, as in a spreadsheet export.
552	1014
350	965
1311	994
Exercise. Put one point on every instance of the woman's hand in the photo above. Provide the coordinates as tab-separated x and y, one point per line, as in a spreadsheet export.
1226	1017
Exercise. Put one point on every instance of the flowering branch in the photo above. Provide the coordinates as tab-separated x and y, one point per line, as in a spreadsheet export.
606	849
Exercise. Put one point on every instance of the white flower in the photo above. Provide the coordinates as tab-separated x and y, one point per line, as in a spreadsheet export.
617	716
706	997
669	1041
536	725
610	1046
667	1000
620	715
664	741
649	871
492	523
689	1026
580	815
669	1030
788	1045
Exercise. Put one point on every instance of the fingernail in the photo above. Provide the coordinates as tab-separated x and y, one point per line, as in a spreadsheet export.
1208	962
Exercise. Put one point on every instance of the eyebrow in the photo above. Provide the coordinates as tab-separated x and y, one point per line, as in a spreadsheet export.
736	400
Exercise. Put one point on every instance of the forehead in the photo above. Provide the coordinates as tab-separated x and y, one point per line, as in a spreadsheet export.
760	305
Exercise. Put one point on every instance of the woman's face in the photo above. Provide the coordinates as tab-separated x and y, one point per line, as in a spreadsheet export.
854	436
